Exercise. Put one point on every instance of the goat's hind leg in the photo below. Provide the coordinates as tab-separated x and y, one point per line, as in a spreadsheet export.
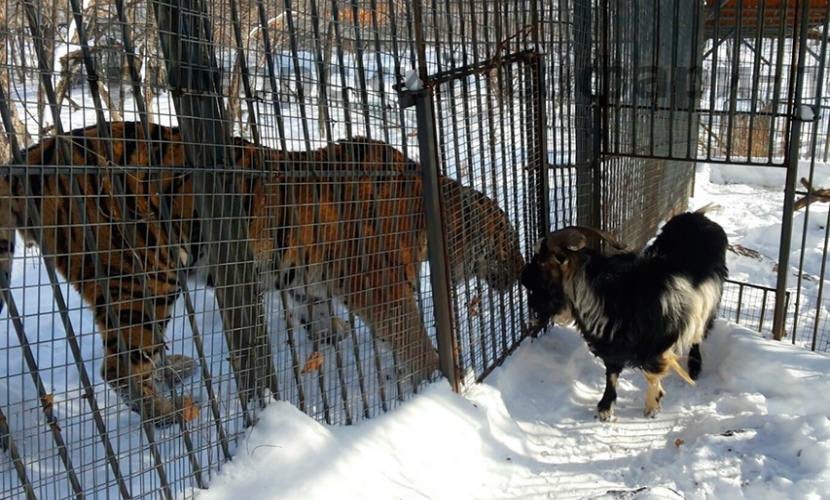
655	371
695	358
695	362
605	407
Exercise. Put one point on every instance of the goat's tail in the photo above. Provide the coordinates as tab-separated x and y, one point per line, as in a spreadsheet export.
674	365
709	207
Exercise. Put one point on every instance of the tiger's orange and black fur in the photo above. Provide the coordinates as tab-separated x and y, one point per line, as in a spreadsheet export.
355	230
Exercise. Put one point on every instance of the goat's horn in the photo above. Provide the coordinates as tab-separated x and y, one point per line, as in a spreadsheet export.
590	231
569	238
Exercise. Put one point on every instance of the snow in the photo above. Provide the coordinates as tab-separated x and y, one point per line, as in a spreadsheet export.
752	428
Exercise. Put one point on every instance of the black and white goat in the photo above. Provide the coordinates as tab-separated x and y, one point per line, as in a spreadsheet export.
634	310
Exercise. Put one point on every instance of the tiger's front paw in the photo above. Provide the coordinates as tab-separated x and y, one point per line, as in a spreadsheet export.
178	368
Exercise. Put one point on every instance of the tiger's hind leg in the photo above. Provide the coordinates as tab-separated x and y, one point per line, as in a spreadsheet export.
139	362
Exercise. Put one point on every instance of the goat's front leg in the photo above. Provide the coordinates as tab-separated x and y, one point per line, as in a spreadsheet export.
605	408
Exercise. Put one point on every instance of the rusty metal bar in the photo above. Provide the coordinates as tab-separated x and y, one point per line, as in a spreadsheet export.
187	47
789	186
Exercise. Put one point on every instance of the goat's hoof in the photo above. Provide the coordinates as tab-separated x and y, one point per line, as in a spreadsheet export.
605	415
694	372
651	412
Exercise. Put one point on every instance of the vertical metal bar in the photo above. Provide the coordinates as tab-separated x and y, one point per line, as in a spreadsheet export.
673	86
655	65
7	444
456	151
756	75
264	355
693	95
437	247
635	82
322	73
763	310
184	39
733	84
585	166
600	119
349	133
740	302
272	79
436	244
778	77
713	86
789	193
540	103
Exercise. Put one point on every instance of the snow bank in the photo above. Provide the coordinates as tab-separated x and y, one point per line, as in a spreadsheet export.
755	427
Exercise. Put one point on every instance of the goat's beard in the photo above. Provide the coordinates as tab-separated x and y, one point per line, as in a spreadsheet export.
549	303
546	299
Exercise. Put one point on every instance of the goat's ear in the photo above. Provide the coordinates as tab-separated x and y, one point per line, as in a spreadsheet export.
537	248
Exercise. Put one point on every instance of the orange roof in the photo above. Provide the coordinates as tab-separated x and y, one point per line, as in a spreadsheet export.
770	15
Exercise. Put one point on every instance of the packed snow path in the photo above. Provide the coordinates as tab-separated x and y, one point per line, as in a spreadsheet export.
755	426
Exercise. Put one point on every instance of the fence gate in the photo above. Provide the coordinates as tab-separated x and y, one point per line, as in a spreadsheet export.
486	113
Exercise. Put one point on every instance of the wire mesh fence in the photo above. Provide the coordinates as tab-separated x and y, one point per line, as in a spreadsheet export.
732	82
646	106
207	206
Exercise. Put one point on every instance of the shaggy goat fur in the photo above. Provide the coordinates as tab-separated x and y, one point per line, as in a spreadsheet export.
635	310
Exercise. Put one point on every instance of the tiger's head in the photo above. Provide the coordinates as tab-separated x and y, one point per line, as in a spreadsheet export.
482	240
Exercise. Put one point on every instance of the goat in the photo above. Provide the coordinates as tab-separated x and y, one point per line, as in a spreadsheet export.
634	310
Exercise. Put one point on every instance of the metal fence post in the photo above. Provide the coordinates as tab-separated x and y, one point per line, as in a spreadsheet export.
586	169
184	33
793	146
541	123
436	242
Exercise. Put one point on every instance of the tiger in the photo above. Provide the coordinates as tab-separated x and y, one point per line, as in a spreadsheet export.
355	230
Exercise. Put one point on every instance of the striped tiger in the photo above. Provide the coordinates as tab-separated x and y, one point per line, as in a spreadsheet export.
355	230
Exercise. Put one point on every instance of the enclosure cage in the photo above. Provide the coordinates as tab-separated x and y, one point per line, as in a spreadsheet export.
209	206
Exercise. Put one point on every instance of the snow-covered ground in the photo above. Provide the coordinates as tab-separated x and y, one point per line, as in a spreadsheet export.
756	426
